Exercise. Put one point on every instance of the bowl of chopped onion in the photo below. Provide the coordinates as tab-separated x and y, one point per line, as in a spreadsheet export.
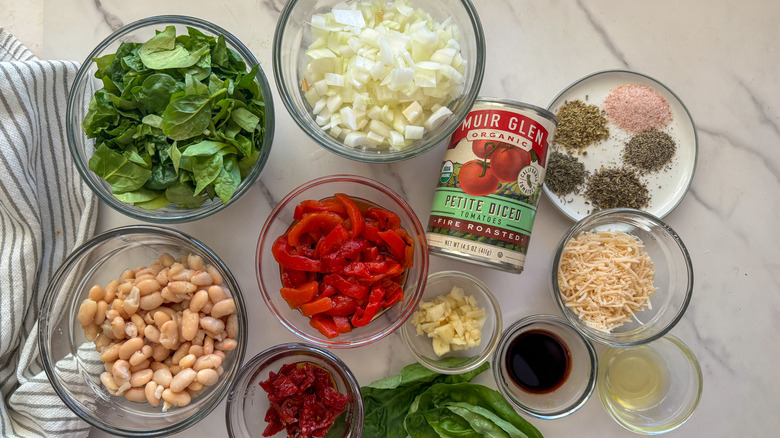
378	81
622	277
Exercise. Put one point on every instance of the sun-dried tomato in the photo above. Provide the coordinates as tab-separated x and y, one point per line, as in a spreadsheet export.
311	409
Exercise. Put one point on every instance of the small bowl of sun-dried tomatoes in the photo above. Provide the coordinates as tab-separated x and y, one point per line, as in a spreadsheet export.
342	261
295	390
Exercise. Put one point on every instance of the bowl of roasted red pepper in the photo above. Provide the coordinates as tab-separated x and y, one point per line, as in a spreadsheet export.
295	390
342	261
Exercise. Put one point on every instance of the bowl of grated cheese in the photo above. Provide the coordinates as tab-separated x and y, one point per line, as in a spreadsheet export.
622	277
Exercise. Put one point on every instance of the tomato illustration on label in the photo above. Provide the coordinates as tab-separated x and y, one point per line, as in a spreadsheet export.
507	161
476	178
483	148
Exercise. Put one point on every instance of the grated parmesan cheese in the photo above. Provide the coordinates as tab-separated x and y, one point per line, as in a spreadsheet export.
605	277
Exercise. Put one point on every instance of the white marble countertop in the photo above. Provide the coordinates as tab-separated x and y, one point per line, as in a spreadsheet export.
721	58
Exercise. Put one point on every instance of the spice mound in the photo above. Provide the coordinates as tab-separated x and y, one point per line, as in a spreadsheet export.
637	108
605	278
564	174
580	125
613	188
649	151
303	401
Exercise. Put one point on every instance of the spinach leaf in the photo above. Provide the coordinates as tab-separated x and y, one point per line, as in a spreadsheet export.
188	116
245	119
156	91
178	120
163	176
228	180
184	196
124	171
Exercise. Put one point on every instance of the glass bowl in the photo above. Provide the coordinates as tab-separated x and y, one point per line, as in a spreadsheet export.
72	363
82	148
293	37
650	389
280	219
247	402
575	386
673	276
421	346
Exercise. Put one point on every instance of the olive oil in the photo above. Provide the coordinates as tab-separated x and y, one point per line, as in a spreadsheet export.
638	378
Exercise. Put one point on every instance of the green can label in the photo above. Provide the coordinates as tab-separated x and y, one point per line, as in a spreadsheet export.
490	183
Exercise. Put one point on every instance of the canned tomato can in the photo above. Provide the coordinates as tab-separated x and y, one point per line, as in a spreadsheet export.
490	184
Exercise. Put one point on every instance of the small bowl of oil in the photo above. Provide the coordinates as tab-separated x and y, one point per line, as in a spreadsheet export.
650	389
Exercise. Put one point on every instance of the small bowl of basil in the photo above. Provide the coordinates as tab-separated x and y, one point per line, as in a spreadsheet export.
170	119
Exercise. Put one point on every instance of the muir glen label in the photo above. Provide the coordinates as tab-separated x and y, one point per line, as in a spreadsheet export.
490	183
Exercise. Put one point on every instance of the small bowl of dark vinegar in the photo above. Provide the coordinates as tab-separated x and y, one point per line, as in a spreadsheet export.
545	367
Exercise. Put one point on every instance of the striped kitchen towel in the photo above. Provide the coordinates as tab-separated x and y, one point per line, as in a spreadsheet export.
45	211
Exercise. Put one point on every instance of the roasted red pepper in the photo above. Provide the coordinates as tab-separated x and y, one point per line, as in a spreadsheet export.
301	295
316	224
343	261
355	216
282	252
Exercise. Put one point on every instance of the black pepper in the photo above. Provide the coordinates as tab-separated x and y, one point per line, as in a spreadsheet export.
649	151
612	188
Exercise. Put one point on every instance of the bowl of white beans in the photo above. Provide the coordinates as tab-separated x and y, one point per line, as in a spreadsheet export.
142	330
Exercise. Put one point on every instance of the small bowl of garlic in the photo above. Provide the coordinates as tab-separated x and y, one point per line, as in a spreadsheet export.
457	324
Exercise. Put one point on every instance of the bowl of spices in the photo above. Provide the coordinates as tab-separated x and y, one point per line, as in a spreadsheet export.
624	140
622	277
650	389
545	367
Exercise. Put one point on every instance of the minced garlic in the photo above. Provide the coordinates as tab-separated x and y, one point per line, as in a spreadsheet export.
453	321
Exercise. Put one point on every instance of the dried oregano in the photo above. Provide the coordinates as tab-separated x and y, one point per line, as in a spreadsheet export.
580	125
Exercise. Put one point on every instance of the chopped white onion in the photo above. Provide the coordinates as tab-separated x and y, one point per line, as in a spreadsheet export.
382	79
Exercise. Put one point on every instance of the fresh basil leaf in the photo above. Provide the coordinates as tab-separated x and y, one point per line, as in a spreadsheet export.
441	422
485	421
440	394
387	401
122	170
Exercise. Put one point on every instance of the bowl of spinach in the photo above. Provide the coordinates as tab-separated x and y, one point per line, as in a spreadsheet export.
170	119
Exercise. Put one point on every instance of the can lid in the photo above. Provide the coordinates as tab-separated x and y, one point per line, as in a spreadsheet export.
517	104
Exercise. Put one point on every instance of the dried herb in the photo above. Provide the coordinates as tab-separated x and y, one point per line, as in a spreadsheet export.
611	188
564	174
649	151
580	125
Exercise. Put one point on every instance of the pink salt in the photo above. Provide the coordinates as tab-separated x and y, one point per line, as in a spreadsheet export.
637	108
